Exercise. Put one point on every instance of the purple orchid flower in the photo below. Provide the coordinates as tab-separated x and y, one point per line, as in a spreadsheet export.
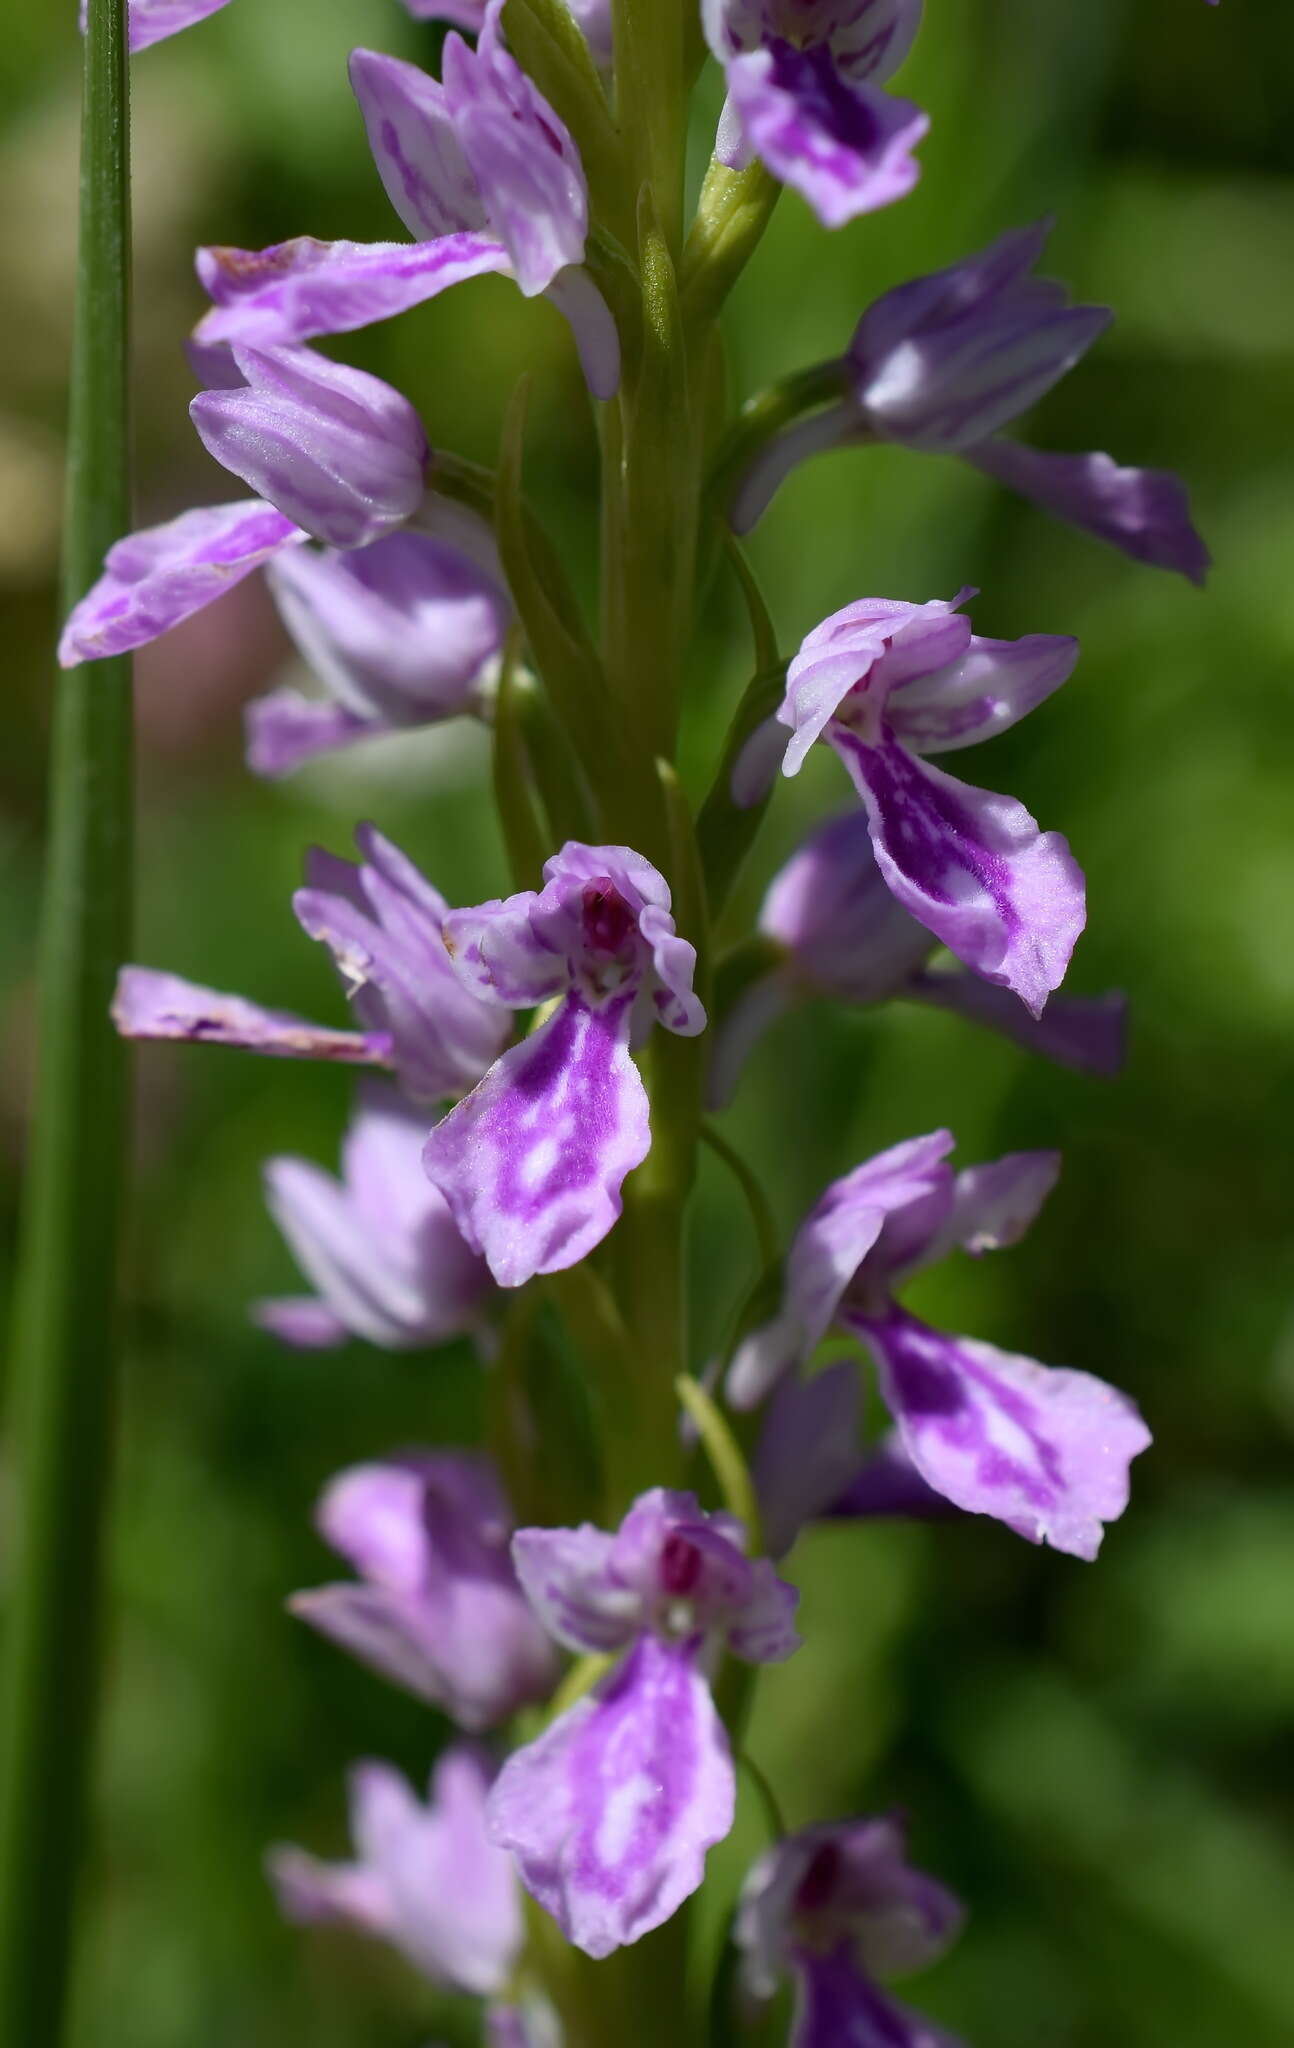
426	1879
383	922
809	1464
404	633
481	171
1042	1449
438	1608
152	21
884	683
837	1906
533	1160
835	930
338	455
611	1811
379	1245
804	94
942	363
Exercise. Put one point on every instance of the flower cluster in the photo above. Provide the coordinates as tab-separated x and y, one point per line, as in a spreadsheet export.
522	1159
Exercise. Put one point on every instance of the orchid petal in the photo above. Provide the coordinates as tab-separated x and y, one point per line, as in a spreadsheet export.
1144	513
843	143
972	867
154	1005
1043	1449
154	579
338	451
295	290
611	1811
532	1161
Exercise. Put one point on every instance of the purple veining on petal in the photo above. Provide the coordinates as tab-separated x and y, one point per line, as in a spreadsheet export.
154	579
1043	1449
532	1161
804	94
846	146
854	1215
972	867
611	1811
295	290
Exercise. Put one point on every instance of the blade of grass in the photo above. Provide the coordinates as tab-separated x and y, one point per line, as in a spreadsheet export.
64	1358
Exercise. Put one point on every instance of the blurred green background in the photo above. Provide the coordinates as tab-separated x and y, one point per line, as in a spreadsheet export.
1098	1756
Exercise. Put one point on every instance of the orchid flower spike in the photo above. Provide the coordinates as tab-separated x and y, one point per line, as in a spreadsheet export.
1043	1449
379	1244
836	1907
611	1811
942	363
335	455
383	922
437	1607
533	1160
833	929
426	1879
885	683
484	175
805	94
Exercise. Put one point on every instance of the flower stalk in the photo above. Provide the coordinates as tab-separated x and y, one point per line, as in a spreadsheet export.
65	1356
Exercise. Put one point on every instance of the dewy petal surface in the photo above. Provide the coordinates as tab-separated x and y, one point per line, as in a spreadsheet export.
296	290
532	1161
610	1813
971	866
1043	1449
163	574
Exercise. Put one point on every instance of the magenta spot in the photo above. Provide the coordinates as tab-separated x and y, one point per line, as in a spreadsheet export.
608	920
818	1885
680	1565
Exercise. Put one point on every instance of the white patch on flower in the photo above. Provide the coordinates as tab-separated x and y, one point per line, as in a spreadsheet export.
624	1808
900	380
539	1162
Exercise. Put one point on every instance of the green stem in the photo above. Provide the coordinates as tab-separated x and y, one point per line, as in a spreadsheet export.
65	1359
